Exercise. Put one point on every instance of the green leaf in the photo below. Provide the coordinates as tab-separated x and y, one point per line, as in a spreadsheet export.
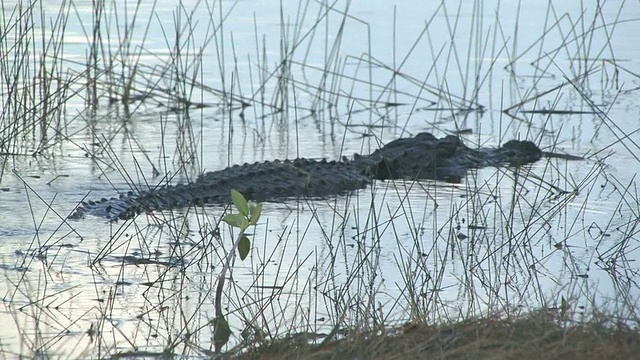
256	210
233	219
237	220
244	246
240	202
222	332
244	223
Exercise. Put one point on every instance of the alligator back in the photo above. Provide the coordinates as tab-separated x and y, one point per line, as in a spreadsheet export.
421	157
261	181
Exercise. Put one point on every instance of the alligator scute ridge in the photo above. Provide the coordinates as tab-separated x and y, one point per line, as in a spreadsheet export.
420	157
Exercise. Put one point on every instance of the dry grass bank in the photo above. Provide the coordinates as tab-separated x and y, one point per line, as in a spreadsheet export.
535	336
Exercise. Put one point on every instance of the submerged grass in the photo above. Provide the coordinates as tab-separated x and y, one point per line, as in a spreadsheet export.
406	270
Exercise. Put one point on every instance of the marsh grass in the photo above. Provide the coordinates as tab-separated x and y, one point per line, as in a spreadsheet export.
537	335
473	263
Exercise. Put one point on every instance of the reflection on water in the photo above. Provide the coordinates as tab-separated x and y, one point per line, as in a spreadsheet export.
219	95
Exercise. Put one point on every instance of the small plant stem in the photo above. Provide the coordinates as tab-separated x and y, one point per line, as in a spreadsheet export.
220	286
225	268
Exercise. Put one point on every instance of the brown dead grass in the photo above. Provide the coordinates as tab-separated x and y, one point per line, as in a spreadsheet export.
536	336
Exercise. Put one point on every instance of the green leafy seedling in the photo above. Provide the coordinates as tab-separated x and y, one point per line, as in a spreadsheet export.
248	215
248	212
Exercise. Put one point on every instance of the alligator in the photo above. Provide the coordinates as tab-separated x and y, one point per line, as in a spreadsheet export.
416	158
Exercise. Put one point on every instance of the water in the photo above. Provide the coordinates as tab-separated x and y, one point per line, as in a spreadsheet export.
500	241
